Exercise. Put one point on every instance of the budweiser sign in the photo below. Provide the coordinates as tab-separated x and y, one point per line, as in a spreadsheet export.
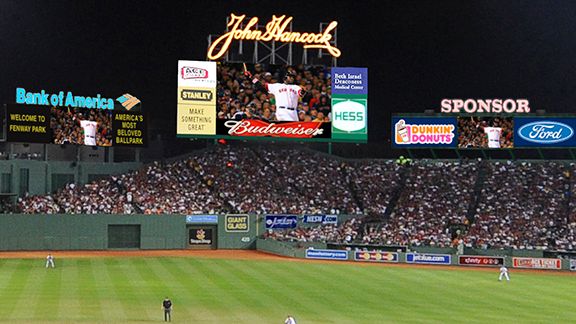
248	127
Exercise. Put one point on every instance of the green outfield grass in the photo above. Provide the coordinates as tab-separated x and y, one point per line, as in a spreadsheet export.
131	290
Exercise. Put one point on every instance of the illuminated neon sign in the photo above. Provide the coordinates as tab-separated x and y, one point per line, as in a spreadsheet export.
275	31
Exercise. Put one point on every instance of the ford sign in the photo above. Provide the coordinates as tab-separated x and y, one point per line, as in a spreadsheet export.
546	132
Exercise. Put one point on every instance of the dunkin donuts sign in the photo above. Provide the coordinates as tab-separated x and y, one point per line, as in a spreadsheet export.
424	132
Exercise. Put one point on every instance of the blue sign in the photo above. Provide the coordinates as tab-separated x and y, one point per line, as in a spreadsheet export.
410	132
281	221
349	80
428	258
327	254
61	98
313	219
544	132
202	219
330	219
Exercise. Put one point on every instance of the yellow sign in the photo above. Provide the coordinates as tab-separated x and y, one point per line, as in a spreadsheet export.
275	31
237	223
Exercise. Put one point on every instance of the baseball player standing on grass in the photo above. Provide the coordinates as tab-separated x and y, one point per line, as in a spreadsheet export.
286	94
49	261
167	307
290	320
504	273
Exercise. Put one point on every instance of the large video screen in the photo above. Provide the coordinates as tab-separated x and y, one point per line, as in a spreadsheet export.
251	101
80	126
483	132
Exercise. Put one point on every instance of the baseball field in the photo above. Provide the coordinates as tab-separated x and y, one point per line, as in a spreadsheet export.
251	287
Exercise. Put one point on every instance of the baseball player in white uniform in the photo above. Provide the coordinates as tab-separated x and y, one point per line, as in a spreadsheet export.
49	261
290	320
493	136
503	273
90	128
286	94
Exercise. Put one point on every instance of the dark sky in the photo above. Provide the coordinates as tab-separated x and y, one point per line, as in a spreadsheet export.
417	52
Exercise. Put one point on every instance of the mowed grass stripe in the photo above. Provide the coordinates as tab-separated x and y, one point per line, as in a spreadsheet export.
114	309
194	301
215	276
32	292
13	292
48	298
154	286
89	290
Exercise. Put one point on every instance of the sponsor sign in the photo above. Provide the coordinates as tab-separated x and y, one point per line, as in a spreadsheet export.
261	128
62	99
427	258
376	256
537	263
350	104
327	254
330	219
237	223
200	236
281	221
313	219
544	132
196	110
424	132
572	264
496	105
483	261
274	30
202	219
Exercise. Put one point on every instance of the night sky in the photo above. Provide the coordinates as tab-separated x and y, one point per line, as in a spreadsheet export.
417	52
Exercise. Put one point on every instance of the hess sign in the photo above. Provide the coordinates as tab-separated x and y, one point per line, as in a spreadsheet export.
274	30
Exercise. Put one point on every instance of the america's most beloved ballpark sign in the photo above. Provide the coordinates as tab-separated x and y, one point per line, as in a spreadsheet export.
275	30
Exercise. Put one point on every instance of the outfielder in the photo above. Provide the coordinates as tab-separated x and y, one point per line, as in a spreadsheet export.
504	273
289	320
49	261
286	94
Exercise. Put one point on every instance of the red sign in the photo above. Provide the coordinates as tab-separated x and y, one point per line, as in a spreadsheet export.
482	261
537	263
252	127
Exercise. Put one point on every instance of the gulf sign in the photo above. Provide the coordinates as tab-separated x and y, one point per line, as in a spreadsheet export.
428	258
424	132
481	261
544	132
327	254
537	263
376	256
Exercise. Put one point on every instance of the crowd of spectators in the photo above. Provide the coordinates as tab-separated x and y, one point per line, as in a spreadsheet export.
66	128
471	131
239	98
483	204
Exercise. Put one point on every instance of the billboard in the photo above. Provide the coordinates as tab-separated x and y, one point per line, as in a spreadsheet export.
537	263
200	236
281	221
544	132
350	104
65	118
237	223
414	132
265	101
201	219
482	261
320	219
376	256
327	254
428	258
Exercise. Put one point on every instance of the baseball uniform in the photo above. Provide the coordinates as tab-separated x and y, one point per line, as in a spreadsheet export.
503	273
90	128
493	136
287	96
49	261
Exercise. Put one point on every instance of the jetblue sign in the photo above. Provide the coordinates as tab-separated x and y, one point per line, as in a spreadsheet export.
281	221
544	132
428	258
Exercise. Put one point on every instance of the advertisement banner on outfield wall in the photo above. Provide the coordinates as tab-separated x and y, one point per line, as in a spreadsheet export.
537	263
572	264
320	219
237	223
428	258
414	132
201	219
481	261
376	256
281	221
200	236
327	254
